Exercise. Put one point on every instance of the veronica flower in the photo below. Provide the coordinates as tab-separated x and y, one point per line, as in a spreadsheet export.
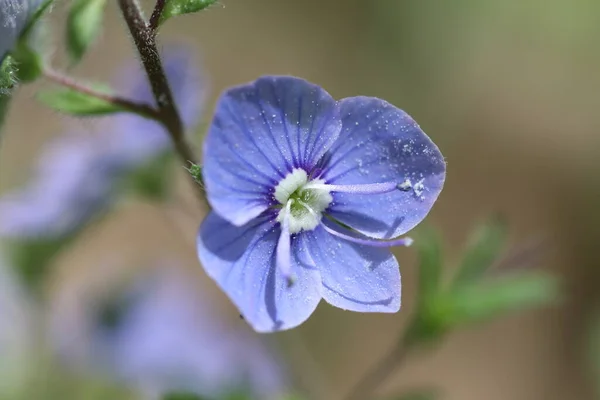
165	337
308	193
78	176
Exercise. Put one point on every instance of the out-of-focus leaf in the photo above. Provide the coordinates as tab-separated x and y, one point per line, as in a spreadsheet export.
32	258
152	180
429	247
69	101
4	100
28	62
489	299
179	7
483	249
83	25
593	352
7	76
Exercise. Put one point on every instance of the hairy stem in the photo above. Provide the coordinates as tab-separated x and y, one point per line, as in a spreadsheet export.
366	386
155	17
145	42
139	108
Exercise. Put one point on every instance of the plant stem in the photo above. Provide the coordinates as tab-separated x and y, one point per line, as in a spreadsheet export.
138	108
367	385
145	41
155	17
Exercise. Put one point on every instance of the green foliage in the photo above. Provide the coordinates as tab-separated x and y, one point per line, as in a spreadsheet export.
593	350
4	103
195	171
83	25
32	258
28	63
429	248
490	299
469	299
77	103
152	180
483	249
7	75
179	7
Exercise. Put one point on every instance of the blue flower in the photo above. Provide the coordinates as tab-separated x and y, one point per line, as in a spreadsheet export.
307	194
164	336
79	175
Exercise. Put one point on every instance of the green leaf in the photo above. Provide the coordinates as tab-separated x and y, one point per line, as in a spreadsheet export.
8	77
429	247
7	81
4	102
83	25
27	62
593	353
180	7
32	258
483	249
195	171
69	101
152	180
485	300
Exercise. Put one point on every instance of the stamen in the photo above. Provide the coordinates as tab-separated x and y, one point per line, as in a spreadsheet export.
283	253
367	241
369	188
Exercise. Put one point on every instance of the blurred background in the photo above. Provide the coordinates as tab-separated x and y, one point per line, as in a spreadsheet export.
507	89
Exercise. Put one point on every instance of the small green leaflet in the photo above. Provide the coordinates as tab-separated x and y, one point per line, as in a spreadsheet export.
180	7
83	25
483	249
69	101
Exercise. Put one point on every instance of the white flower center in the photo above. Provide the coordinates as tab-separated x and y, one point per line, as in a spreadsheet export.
306	205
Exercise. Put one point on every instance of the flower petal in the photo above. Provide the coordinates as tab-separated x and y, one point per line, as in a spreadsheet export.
262	131
355	277
242	262
381	143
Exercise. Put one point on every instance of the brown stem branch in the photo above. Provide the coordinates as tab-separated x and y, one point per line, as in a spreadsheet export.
145	42
138	108
156	14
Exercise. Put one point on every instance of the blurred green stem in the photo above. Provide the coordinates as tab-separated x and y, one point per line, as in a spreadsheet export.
368	384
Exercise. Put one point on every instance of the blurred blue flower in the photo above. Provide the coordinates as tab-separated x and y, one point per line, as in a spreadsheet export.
280	155
78	176
13	19
161	335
